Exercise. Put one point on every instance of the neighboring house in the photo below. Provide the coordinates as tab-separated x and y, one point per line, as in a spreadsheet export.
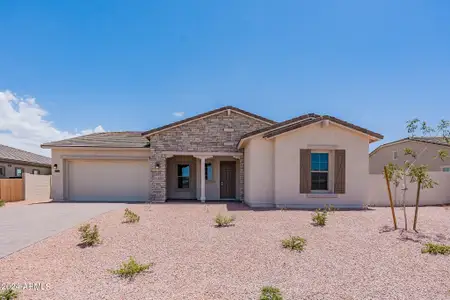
394	152
14	162
226	153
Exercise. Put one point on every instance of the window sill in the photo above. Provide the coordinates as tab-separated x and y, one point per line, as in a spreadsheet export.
322	195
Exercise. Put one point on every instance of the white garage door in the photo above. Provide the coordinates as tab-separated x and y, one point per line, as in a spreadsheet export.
108	180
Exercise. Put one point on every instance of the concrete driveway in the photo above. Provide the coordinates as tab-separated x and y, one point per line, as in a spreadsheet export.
24	225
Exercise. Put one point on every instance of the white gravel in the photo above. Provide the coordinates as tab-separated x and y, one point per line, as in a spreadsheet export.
350	258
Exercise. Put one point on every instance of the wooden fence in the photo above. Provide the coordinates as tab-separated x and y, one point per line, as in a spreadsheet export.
12	189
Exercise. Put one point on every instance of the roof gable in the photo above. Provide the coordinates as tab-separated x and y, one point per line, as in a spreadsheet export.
207	114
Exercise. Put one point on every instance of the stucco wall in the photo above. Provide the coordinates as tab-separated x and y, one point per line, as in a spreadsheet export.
58	158
384	155
272	167
440	194
37	187
10	169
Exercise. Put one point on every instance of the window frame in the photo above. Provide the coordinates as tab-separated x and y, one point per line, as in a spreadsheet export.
445	167
181	176
4	171
206	171
330	172
394	155
21	173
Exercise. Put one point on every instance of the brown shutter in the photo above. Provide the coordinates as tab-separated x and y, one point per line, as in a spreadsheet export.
305	171
339	172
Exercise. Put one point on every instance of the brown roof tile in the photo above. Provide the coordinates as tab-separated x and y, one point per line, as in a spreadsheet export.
13	154
124	139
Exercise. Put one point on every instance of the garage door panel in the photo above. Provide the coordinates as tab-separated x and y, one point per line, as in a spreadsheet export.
109	180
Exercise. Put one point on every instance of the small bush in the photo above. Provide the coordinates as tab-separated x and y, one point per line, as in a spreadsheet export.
131	268
130	217
320	217
89	237
224	221
9	294
294	243
2	203
270	293
436	249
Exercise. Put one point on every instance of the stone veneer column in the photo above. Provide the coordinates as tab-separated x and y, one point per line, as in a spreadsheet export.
241	178
158	177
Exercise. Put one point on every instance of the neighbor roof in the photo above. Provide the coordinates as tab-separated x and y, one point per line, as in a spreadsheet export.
124	139
206	114
421	139
11	154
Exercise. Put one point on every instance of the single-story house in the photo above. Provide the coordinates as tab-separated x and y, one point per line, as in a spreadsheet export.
14	162
223	154
394	152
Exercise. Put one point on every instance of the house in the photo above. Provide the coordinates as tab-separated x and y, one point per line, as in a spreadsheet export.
394	152
14	162
226	153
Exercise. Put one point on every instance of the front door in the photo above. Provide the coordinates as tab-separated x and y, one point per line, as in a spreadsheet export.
227	179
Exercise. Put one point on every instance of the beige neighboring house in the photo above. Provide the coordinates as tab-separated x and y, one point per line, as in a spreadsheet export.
394	152
14	162
223	154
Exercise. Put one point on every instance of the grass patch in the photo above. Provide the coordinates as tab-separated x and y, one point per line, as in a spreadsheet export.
270	293
224	221
89	236
436	249
294	243
2	203
9	294
131	268
130	217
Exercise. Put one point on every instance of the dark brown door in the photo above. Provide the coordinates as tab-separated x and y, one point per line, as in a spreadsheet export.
227	179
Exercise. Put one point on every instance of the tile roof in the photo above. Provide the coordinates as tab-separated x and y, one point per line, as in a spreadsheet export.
13	154
431	140
124	139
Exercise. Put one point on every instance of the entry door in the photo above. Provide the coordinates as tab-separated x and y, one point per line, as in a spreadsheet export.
227	179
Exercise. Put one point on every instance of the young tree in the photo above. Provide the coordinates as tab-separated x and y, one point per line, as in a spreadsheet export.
419	173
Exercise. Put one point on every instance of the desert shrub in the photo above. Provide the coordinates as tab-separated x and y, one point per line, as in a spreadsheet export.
130	217
294	243
436	249
224	221
9	294
320	216
270	293
2	203
131	268
89	236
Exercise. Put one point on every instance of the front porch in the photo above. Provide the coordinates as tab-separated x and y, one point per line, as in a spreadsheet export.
204	176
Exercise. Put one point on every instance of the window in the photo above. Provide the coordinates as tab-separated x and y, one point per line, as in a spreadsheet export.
446	169
19	172
183	176
36	172
394	155
208	171
2	171
319	171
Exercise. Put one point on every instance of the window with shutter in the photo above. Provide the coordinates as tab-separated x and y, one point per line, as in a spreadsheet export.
339	170
305	171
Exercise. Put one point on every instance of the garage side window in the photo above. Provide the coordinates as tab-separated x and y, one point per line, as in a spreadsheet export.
183	172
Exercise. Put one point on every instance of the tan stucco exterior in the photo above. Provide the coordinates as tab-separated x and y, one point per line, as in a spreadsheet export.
10	169
385	155
272	167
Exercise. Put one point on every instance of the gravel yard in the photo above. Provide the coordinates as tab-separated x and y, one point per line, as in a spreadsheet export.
353	257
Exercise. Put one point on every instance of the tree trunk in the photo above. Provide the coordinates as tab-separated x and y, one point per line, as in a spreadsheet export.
404	202
417	205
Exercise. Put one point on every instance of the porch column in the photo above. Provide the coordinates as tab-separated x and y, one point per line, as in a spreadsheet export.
202	179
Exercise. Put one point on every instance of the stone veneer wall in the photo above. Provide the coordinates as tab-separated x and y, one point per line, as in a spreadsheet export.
210	134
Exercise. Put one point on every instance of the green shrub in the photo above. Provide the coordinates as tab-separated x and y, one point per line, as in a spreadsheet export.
270	293
131	268
224	221
294	243
130	217
436	249
9	294
2	203
320	217
89	237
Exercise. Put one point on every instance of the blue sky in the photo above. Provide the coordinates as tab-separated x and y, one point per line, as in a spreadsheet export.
129	65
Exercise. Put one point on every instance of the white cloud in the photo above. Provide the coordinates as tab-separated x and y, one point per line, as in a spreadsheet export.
22	124
178	114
